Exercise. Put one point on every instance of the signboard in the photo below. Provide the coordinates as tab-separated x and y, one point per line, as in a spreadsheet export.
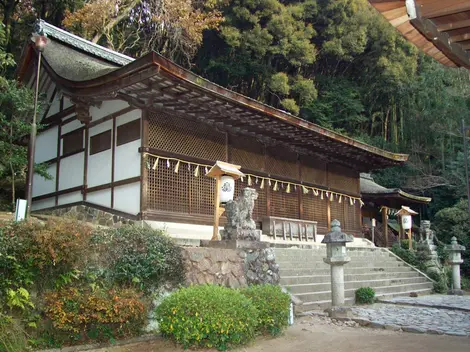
20	212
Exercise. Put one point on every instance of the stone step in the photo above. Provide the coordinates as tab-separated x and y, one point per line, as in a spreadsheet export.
326	286
320	264
306	279
323	304
314	255
347	270
349	292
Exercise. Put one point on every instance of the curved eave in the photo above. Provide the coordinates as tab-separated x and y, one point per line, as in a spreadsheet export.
153	64
398	195
426	33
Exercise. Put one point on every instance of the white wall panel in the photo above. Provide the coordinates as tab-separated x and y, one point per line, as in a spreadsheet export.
71	171
43	204
71	126
67	103
99	165
99	168
127	198
102	127
102	198
107	107
55	106
130	116
41	185
70	198
46	145
127	161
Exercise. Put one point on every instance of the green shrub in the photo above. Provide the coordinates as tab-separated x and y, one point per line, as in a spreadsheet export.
272	305
405	244
139	256
365	295
101	315
12	336
405	254
208	316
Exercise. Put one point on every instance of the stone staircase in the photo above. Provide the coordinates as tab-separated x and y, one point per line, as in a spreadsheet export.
307	277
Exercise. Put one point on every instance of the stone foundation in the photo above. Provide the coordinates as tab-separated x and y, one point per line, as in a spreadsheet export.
89	214
230	267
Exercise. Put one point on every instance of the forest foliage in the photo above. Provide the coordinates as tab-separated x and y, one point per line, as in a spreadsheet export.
337	63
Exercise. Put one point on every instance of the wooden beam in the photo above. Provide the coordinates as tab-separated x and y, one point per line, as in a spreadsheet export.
453	25
459	37
465	45
438	8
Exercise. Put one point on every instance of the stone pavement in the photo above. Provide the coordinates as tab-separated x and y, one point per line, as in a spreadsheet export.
435	301
437	315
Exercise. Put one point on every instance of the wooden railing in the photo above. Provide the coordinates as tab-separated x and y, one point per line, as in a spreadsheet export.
289	229
379	235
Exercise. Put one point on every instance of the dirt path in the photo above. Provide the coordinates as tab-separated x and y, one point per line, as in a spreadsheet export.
318	334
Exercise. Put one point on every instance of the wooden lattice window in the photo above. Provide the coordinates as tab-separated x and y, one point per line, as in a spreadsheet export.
185	137
313	171
284	204
247	152
337	211
260	204
128	132
352	215
344	179
315	209
100	142
72	142
282	162
179	192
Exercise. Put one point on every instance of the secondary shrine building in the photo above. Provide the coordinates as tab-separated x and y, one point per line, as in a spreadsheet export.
133	138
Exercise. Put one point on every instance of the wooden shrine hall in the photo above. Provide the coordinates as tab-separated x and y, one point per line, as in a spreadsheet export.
379	203
135	137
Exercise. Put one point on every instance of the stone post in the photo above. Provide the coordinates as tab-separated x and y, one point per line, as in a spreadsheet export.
455	259
336	256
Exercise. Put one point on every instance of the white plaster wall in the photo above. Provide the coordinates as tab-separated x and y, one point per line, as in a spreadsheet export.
41	185
43	204
71	126
107	107
127	161
99	165
70	198
46	145
102	198
67	103
130	116
127	198
71	171
181	230
55	106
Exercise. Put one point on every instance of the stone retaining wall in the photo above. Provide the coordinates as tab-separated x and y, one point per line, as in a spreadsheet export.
88	214
230	267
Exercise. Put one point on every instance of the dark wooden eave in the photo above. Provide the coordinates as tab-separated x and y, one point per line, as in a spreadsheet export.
440	28
154	82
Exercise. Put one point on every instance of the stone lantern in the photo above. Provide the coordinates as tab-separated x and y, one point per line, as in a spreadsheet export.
455	259
336	256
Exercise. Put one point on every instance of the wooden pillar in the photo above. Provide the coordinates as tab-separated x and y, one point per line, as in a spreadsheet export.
385	224
410	242
328	213
215	233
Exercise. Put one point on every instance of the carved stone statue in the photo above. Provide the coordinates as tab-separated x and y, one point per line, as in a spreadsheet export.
240	224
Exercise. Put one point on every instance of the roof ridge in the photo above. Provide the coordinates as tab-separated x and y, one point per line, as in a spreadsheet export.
47	29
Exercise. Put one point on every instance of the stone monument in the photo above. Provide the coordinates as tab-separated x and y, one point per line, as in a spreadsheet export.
427	249
239	212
